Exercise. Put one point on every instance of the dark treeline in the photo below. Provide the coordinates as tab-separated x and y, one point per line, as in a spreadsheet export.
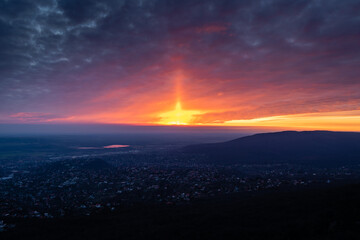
326	213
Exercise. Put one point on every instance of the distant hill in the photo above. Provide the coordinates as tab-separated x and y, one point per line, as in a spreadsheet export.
310	147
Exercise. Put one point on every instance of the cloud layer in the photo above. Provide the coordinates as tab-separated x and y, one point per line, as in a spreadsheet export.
129	61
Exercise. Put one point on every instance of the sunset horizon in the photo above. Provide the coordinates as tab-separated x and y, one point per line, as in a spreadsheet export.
285	65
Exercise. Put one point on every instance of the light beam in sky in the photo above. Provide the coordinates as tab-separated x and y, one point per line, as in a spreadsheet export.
178	116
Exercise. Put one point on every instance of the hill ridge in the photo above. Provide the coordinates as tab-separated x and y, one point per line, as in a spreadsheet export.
300	147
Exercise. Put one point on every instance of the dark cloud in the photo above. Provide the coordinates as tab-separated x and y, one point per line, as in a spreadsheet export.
56	56
34	117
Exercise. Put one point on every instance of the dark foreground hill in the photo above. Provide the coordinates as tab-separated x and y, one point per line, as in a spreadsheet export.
311	148
325	213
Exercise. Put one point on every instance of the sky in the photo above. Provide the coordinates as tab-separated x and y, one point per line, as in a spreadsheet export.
266	63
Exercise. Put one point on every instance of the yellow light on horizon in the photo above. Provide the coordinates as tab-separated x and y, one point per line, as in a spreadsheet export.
178	116
336	121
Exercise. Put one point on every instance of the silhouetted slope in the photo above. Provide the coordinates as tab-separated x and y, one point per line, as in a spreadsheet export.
311	147
321	213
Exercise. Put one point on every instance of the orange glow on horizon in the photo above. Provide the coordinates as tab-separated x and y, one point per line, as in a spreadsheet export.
205	105
332	121
178	116
335	121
